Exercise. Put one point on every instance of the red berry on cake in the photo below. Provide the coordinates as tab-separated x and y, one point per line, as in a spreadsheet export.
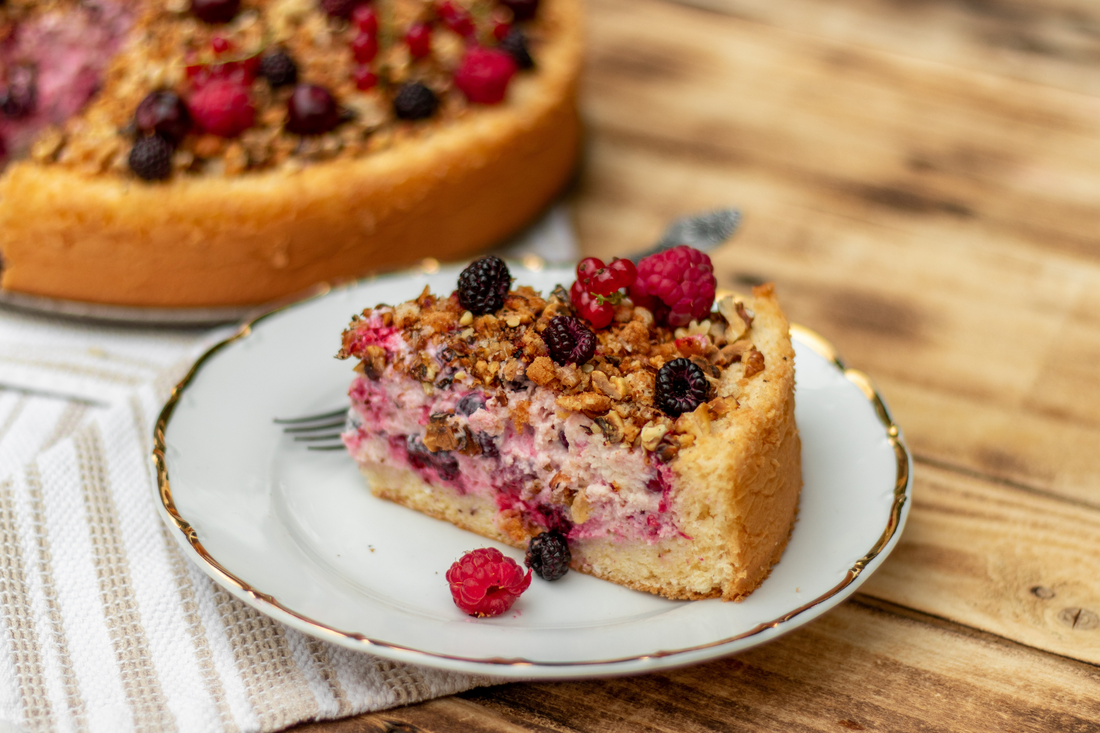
681	279
219	45
457	19
222	107
365	19
364	47
484	73
215	11
486	583
681	387
587	267
419	40
164	113
589	307
364	78
483	285
311	110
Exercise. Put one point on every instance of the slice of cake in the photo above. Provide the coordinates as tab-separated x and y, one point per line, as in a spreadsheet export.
657	444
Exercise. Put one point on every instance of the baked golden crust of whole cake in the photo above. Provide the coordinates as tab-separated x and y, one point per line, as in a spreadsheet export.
81	227
512	444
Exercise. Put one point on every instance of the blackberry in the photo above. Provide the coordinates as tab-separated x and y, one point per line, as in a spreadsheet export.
414	101
515	45
445	464
488	445
570	341
483	285
279	69
548	555
681	387
21	96
164	113
151	158
470	404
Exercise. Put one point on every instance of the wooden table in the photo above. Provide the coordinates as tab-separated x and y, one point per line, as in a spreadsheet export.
921	179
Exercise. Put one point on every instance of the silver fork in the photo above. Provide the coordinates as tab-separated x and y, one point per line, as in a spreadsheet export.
305	429
702	231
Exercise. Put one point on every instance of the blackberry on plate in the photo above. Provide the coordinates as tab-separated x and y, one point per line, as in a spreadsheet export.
515	45
414	101
151	158
279	69
483	285
681	387
548	555
570	341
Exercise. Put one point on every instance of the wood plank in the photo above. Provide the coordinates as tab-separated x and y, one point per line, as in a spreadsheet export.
1052	42
993	557
444	714
973	158
986	358
861	667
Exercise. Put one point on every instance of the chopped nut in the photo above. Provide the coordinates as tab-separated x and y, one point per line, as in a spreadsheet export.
521	415
512	321
611	426
721	406
731	353
754	362
696	422
589	403
439	435
467	319
581	509
541	371
652	434
374	361
604	385
732	309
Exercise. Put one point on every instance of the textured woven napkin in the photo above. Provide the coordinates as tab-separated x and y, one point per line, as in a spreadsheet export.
107	626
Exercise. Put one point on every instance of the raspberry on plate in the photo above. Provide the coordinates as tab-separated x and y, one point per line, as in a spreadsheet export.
680	279
486	583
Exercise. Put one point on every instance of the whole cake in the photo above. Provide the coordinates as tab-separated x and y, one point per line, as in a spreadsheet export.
227	152
630	428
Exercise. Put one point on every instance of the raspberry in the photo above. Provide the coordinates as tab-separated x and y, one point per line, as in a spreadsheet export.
483	285
279	69
681	387
514	43
486	583
548	555
215	11
222	107
164	113
151	158
414	101
682	279
590	309
569	340
311	110
522	9
484	74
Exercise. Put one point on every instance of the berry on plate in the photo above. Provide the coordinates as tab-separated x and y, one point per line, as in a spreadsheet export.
677	285
486	583
548	555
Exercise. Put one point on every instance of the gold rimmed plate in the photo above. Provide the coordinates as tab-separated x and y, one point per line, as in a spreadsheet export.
296	534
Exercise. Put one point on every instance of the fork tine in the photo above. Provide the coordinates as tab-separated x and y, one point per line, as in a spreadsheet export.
313	438
311	418
311	428
325	447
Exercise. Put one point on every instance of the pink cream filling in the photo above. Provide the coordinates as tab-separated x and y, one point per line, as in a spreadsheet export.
626	496
66	53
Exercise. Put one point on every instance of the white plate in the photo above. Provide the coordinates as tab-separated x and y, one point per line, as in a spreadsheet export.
297	535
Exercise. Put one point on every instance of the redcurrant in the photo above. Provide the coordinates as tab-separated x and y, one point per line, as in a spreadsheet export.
603	282
364	78
365	19
364	47
589	308
625	271
588	266
419	40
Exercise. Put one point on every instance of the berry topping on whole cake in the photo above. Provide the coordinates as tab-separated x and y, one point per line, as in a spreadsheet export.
585	428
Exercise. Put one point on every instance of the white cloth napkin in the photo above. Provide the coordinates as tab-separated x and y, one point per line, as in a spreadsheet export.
107	626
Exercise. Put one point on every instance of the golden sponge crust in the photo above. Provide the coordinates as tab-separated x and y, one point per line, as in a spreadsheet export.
228	241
